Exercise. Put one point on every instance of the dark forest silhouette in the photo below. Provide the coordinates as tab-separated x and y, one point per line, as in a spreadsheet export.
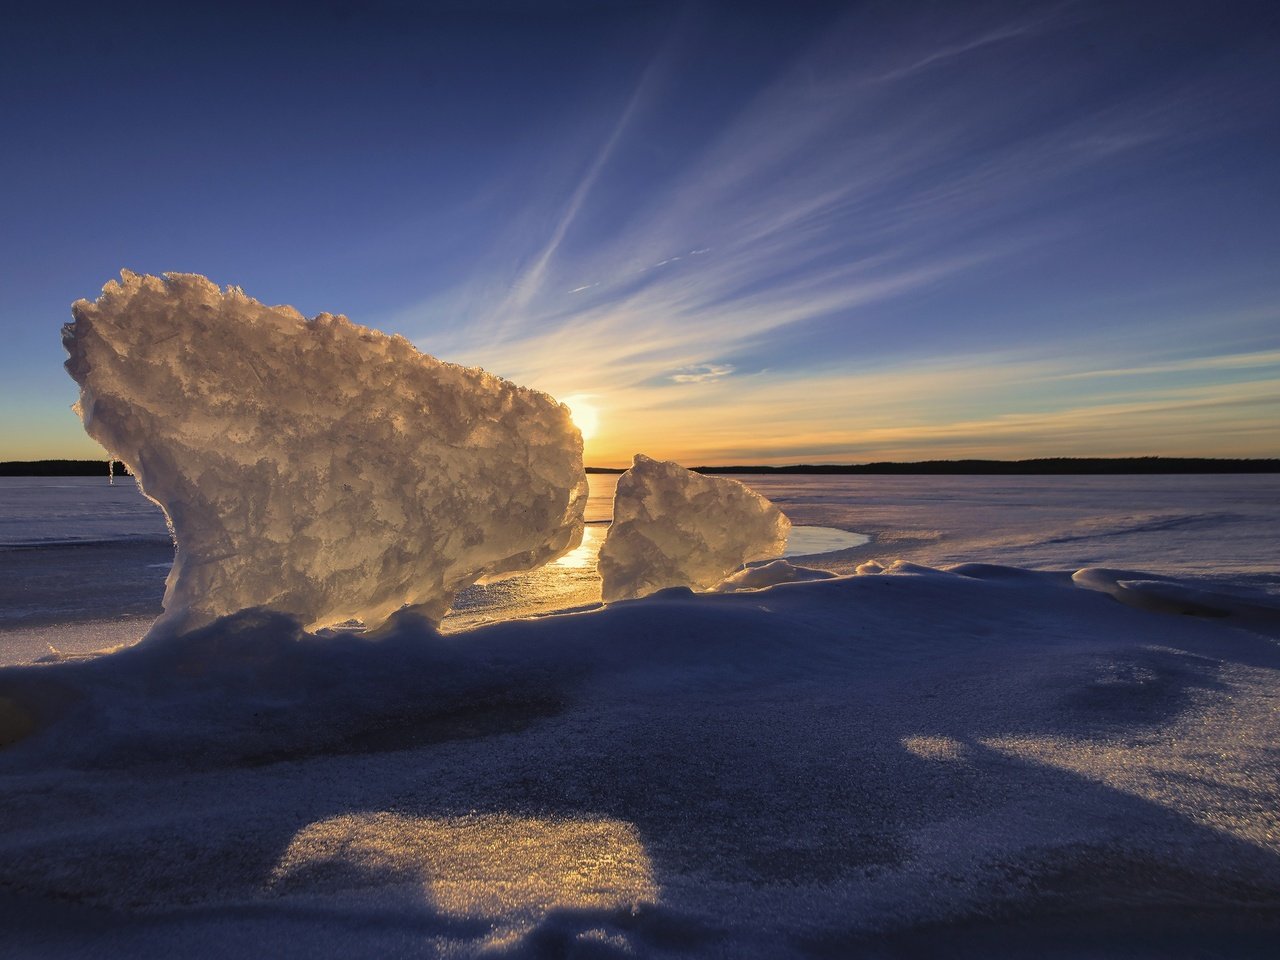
1079	466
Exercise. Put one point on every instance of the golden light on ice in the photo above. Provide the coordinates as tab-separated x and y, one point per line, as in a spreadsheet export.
504	869
584	556
584	413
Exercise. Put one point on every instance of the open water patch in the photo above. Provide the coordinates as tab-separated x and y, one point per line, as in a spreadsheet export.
810	541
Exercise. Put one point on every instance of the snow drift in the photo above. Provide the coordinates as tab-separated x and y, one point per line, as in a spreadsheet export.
839	768
313	466
675	528
769	575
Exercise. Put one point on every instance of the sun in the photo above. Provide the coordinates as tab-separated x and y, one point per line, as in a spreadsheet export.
585	416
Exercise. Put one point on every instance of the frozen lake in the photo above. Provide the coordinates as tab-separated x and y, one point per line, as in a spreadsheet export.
887	764
82	562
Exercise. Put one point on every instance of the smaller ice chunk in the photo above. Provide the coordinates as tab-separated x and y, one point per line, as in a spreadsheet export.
675	528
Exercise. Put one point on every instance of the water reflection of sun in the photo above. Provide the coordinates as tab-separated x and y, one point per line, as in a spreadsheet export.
585	416
584	557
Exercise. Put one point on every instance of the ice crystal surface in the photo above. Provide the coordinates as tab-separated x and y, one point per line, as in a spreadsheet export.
314	466
675	528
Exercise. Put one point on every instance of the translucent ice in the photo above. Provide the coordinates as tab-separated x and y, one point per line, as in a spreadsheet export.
673	528
313	466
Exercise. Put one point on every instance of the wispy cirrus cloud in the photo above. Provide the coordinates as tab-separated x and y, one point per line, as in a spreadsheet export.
532	278
876	196
978	406
703	373
1234	361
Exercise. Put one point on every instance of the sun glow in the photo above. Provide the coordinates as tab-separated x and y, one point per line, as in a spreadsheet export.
585	416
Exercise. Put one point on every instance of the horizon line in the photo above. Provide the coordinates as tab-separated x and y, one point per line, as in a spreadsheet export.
1146	464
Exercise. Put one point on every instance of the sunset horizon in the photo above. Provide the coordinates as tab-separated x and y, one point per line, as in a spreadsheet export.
651	479
739	234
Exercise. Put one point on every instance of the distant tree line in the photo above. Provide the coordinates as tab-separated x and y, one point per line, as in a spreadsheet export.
59	468
1039	466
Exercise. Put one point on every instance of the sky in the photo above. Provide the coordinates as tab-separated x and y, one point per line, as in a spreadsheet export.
728	232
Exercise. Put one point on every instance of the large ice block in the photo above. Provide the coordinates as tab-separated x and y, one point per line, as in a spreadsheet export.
672	528
313	466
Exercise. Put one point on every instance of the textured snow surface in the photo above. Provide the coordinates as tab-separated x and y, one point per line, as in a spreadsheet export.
675	528
839	768
313	466
769	575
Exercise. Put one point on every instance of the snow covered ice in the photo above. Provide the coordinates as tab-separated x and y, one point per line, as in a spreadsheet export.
768	575
313	466
789	773
887	764
893	758
675	528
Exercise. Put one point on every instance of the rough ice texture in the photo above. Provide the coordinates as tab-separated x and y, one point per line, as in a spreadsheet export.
313	466
675	528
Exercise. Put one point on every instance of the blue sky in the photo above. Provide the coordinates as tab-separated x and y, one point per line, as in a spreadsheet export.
739	232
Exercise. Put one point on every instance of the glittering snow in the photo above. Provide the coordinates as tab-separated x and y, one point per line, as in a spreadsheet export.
942	753
815	769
